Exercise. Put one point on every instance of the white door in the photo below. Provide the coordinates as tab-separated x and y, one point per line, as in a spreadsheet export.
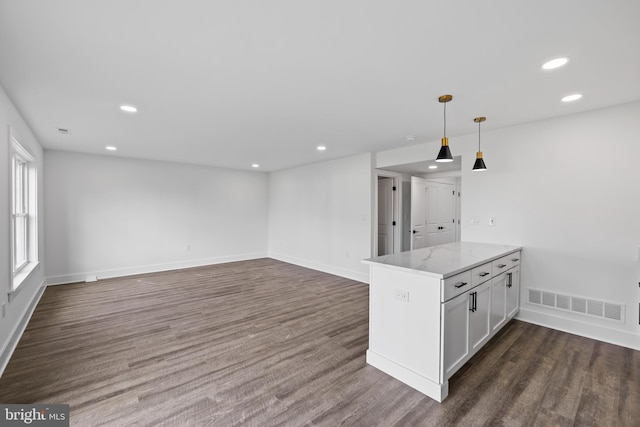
479	300
455	321
441	202
418	212
513	292
498	301
385	216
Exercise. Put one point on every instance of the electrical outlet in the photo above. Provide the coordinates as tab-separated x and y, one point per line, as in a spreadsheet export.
402	295
475	220
492	221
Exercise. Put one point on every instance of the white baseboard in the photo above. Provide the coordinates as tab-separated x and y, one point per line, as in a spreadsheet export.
575	327
336	271
154	268
436	391
14	337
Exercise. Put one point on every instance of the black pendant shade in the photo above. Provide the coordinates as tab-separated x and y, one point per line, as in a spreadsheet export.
479	164
445	152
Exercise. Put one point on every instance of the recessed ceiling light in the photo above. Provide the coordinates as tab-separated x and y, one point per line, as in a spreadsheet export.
555	63
128	108
410	138
433	167
321	147
110	148
573	97
255	165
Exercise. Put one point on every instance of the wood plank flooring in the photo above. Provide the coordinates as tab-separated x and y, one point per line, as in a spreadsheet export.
265	343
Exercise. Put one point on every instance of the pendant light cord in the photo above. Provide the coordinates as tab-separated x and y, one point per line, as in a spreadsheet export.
479	135
445	120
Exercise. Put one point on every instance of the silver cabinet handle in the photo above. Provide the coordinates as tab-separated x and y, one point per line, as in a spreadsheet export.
502	265
461	284
515	259
484	273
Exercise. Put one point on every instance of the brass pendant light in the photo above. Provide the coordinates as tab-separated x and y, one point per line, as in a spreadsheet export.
479	164
445	153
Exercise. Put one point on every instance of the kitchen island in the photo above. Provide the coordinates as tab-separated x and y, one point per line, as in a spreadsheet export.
432	309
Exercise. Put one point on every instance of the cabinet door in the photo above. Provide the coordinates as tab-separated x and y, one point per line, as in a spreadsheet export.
513	292
479	329
498	300
455	331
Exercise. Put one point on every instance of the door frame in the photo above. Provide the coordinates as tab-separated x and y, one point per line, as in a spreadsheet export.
397	210
418	189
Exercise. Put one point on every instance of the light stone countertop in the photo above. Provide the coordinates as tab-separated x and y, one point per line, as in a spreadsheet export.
444	260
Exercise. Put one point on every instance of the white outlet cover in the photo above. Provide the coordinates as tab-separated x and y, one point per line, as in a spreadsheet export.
402	295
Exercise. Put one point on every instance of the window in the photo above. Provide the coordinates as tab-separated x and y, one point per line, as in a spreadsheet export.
24	251
20	212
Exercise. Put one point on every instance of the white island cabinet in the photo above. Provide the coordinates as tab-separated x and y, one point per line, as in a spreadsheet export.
432	309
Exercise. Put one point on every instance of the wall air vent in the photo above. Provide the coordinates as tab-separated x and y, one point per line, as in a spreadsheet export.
563	302
612	311
549	299
579	305
535	297
575	304
595	308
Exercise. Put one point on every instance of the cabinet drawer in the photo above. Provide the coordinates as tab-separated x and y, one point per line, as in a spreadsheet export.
480	274
455	285
514	258
502	264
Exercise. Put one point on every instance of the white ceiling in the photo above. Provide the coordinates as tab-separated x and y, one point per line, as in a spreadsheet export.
230	83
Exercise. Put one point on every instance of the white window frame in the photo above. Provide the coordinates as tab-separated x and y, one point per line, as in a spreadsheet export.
20	212
23	193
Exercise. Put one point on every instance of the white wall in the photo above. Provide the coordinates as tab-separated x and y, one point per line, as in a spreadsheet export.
320	216
567	190
109	216
19	305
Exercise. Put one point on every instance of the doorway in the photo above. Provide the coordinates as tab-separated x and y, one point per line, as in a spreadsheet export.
387	214
386	222
427	205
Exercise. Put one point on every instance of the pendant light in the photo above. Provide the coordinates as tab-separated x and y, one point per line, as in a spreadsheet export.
479	164
445	153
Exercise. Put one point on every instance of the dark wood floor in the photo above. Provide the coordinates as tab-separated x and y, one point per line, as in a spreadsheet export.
264	343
